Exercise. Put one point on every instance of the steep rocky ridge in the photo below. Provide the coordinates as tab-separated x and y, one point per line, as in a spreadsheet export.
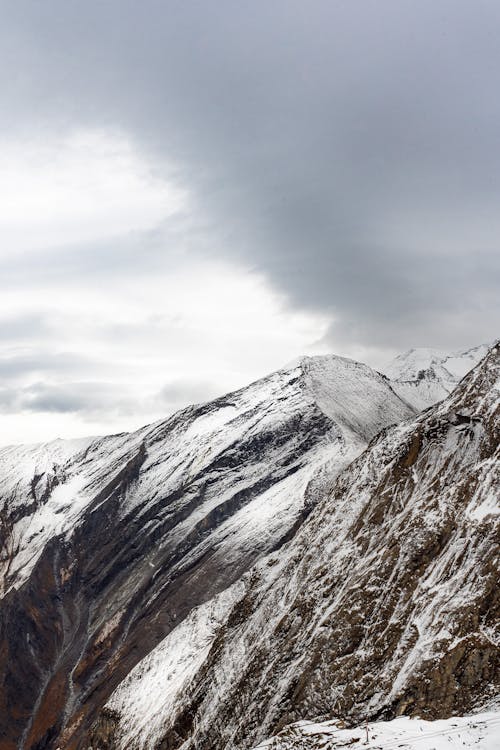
386	602
109	544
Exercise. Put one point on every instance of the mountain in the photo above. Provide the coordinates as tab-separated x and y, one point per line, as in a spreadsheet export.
111	545
386	601
424	376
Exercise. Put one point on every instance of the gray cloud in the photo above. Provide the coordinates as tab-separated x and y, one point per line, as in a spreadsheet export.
69	397
88	398
93	398
181	392
45	362
348	151
8	400
18	328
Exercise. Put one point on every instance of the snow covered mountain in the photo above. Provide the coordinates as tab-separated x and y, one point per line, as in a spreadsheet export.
386	601
424	376
108	545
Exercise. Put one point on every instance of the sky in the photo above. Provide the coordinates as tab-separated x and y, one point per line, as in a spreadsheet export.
194	193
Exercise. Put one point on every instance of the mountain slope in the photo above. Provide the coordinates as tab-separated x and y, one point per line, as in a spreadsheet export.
107	546
386	602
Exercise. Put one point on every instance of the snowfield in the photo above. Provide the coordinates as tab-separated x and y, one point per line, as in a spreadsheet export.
481	732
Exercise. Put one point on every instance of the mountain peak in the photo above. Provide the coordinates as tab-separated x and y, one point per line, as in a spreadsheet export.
418	363
424	376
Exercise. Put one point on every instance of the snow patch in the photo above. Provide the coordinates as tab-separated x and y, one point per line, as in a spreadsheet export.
146	699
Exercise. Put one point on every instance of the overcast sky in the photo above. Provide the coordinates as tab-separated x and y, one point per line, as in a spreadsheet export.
194	193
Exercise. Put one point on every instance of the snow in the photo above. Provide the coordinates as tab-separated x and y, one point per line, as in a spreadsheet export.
480	731
63	506
452	366
351	394
147	698
486	502
210	423
424	376
49	487
406	366
19	463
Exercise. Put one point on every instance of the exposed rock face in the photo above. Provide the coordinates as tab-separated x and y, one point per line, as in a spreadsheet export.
386	602
109	544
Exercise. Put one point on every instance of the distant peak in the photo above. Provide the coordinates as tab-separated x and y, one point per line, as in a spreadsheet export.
428	363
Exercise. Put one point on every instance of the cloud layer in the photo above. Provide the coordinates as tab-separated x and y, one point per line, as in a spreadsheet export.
342	158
